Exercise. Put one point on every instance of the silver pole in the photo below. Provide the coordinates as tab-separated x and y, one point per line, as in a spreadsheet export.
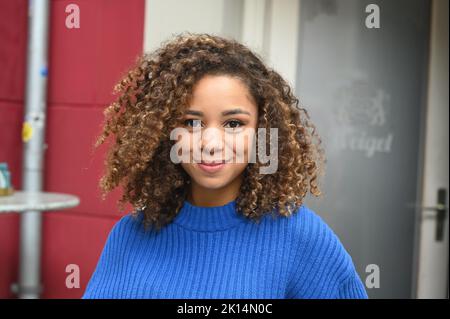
29	285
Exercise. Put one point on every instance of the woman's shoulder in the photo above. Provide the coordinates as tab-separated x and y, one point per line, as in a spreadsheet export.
315	237
130	222
304	222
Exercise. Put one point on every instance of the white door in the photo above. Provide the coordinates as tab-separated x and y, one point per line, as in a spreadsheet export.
433	254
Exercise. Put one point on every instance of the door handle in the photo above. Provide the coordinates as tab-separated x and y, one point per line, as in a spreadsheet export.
440	213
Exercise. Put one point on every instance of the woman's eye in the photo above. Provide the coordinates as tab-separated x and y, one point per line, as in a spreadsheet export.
235	123
192	122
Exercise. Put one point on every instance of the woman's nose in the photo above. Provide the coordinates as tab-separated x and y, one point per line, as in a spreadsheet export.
212	140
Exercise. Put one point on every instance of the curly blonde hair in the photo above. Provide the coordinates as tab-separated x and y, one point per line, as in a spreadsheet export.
152	98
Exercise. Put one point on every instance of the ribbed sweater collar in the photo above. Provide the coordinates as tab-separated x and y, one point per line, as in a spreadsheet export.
213	218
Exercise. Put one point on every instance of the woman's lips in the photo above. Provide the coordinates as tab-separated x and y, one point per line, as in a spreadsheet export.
211	167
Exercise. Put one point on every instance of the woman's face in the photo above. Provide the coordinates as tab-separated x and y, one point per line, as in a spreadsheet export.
221	122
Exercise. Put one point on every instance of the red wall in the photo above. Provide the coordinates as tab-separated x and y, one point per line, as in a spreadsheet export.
84	65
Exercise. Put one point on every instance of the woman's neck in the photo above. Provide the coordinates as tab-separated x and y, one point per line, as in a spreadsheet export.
208	197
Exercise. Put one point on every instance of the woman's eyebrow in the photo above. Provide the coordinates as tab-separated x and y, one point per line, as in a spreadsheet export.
192	112
235	111
224	113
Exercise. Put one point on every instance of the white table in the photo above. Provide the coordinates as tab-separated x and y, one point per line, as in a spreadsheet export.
41	201
32	204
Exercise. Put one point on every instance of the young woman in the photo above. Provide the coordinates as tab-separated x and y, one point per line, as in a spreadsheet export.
215	226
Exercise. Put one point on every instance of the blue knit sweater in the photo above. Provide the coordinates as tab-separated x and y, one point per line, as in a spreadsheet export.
215	252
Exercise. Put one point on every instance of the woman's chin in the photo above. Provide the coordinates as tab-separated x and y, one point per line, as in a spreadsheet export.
211	182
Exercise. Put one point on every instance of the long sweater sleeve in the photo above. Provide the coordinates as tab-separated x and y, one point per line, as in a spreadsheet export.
109	259
321	268
352	288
